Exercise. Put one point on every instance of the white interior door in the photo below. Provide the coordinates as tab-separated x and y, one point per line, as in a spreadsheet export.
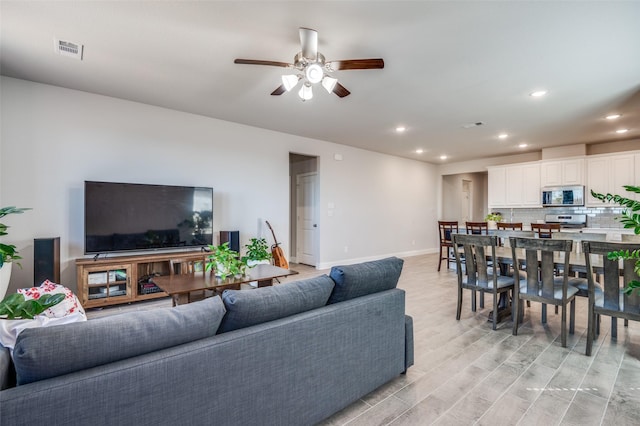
307	223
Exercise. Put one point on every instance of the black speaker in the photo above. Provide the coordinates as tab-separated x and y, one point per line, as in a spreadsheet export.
231	237
46	260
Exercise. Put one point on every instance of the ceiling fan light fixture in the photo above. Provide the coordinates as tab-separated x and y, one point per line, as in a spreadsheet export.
314	73
290	81
329	83
306	93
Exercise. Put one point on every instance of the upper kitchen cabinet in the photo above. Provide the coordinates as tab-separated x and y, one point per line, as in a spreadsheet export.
562	172
608	174
514	186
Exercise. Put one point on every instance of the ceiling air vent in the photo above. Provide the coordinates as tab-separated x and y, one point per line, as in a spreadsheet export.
68	48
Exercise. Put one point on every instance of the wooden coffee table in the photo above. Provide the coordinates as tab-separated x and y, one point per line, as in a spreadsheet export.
179	286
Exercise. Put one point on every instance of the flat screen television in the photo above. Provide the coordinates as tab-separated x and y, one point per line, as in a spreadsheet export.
130	216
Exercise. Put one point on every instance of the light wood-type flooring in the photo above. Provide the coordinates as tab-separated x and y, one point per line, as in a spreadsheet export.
467	374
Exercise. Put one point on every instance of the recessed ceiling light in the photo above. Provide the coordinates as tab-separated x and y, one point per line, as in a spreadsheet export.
523	145
538	93
419	151
400	129
622	131
443	157
503	136
613	116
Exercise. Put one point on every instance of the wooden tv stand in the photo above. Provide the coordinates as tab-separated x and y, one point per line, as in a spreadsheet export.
124	279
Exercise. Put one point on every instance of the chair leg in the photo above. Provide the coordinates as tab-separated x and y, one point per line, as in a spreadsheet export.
614	327
473	300
556	309
495	309
544	313
459	307
481	299
598	318
440	261
516	308
563	332
572	317
591	319
626	322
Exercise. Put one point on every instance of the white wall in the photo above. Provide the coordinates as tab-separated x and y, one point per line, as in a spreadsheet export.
53	139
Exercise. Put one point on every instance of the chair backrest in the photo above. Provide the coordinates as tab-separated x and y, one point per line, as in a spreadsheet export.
540	263
478	251
504	235
445	229
596	254
477	228
630	238
510	225
544	230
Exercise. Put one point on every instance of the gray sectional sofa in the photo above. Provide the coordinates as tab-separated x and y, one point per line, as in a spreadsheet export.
291	354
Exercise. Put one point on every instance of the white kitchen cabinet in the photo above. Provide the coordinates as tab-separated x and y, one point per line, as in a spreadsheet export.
608	174
496	183
562	172
514	186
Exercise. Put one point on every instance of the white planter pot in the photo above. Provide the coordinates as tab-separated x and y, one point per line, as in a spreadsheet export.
492	224
5	275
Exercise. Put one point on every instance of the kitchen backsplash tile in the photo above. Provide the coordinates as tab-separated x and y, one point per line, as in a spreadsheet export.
597	217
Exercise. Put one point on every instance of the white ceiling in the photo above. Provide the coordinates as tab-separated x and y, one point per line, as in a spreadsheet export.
447	64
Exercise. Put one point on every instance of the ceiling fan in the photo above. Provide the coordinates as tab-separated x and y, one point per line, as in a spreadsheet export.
311	68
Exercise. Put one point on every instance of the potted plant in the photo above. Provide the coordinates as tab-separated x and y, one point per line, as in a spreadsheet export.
8	252
492	219
257	252
225	262
631	220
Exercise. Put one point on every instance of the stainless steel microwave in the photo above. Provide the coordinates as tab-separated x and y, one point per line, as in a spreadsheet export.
563	196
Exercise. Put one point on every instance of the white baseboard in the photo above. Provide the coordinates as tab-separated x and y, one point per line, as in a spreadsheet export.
328	265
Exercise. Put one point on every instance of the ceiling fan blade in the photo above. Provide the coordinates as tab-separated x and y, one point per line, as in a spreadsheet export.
309	43
279	91
356	64
340	90
259	62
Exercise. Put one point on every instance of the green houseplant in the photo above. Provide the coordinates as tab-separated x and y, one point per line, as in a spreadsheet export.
8	252
630	219
257	251
493	217
225	262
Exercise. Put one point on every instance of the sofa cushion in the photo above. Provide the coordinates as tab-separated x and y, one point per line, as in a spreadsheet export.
364	278
41	353
249	307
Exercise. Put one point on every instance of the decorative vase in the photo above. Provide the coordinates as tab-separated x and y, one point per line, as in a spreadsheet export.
492	224
5	275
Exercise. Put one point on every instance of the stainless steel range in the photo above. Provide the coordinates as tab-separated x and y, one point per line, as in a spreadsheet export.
567	220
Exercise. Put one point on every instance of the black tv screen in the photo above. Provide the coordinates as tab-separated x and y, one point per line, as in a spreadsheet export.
131	216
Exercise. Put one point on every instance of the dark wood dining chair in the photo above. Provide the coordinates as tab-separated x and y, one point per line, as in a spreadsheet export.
613	302
477	228
544	230
539	283
479	253
512	226
445	230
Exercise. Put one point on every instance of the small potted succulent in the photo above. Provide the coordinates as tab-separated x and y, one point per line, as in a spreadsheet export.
492	220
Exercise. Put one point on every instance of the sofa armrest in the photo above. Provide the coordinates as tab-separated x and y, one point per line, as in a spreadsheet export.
408	342
7	371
